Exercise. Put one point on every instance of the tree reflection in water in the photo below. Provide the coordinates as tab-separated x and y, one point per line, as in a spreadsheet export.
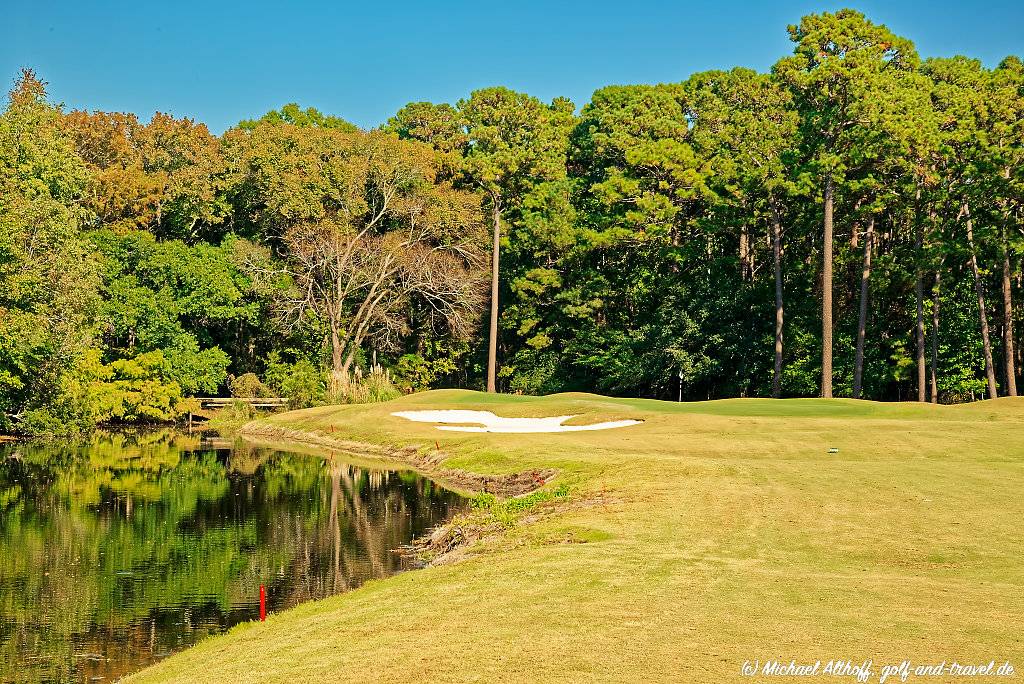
120	550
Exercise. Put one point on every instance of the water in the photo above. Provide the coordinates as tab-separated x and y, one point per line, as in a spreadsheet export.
118	552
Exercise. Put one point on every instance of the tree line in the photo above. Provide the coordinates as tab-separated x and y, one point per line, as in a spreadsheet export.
847	224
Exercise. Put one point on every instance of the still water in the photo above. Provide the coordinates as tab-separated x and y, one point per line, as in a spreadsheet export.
119	551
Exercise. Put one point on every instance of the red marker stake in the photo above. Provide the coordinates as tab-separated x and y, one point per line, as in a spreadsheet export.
263	603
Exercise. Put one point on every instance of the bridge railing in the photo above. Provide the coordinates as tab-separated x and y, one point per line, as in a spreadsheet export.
255	402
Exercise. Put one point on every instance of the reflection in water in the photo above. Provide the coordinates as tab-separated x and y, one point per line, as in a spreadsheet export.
120	551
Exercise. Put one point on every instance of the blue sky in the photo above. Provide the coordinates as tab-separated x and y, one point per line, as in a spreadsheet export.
220	62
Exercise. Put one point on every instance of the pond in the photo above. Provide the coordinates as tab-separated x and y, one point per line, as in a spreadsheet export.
118	551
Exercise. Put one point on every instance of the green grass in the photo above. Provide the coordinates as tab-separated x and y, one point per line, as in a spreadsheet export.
713	533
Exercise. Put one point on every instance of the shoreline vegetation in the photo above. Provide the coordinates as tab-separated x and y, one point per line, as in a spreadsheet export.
675	550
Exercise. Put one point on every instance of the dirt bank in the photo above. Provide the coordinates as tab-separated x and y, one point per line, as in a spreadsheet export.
428	462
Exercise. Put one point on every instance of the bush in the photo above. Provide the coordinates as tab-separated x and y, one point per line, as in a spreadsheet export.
532	372
135	390
238	411
416	372
413	372
249	386
301	382
64	417
508	511
193	369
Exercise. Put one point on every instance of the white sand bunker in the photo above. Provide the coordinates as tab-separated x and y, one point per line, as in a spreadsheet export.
456	420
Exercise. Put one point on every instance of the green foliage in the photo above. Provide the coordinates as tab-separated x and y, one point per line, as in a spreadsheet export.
249	386
47	273
508	511
514	141
413	371
195	371
300	381
294	115
237	413
139	389
416	372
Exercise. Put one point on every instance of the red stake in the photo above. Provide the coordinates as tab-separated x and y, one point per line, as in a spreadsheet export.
263	603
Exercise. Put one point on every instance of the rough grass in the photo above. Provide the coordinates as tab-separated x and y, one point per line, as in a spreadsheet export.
724	532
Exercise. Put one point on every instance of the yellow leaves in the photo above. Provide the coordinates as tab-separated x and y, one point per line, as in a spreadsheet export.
540	341
129	389
123	198
139	171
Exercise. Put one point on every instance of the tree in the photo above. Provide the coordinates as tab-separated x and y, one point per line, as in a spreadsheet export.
1006	106
184	160
835	73
638	286
862	312
292	114
513	142
670	241
161	176
191	303
372	229
119	194
749	122
47	272
439	125
959	100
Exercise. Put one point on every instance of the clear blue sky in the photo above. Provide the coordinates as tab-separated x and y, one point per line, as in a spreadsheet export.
220	62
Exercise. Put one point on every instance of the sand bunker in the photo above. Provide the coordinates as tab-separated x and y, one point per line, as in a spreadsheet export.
485	421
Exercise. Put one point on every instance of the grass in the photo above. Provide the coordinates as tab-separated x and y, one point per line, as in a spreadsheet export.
713	533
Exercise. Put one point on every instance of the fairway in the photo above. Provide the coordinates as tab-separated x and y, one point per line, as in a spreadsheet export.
712	534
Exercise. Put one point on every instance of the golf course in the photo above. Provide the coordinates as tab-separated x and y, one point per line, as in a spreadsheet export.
710	536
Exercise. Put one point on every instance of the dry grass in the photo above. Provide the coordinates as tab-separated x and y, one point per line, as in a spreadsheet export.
726	532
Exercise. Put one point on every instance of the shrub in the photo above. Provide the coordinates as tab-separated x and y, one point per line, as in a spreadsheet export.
133	390
413	372
193	369
249	386
238	411
300	381
416	372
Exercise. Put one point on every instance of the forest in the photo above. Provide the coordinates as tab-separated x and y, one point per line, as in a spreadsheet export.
848	224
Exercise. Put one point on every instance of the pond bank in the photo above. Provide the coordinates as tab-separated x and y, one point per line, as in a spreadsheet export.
427	461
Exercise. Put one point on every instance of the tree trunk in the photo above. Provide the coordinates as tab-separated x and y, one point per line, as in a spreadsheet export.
337	367
862	317
1011	371
777	257
744	253
935	336
922	371
990	373
826	296
346	366
492	343
855	233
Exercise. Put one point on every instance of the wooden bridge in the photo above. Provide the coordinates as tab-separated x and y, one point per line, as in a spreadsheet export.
255	402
